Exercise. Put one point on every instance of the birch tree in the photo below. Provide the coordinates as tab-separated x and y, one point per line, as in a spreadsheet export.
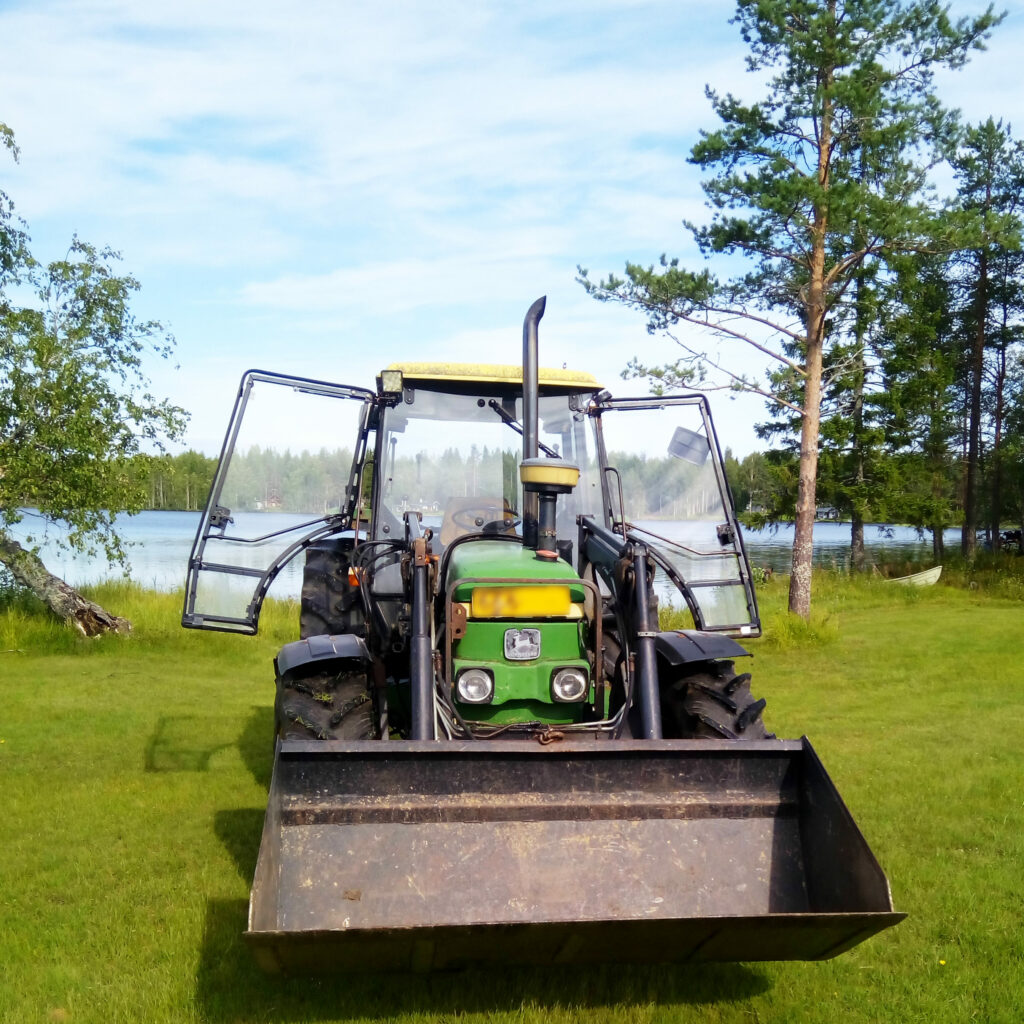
75	408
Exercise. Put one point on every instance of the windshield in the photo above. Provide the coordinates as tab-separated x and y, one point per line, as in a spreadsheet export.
454	458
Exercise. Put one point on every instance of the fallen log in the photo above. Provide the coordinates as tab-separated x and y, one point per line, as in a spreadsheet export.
62	599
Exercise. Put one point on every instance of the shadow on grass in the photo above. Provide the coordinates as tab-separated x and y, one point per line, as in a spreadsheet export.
230	987
239	830
188	743
256	744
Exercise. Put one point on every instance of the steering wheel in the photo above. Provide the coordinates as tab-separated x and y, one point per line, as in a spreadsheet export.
479	519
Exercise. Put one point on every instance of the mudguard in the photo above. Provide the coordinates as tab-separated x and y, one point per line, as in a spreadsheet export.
319	653
680	647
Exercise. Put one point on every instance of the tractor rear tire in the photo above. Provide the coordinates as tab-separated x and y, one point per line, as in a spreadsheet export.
710	701
325	707
330	604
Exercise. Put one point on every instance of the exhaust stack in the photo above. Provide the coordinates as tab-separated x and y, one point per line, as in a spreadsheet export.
542	479
530	413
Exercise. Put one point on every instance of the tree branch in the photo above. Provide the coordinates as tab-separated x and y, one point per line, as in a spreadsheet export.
739	383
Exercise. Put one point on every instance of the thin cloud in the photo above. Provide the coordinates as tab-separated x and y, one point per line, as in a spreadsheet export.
379	180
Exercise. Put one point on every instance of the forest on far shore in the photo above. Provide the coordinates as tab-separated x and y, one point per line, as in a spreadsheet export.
763	485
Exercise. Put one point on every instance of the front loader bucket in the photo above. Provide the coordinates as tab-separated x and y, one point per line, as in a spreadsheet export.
418	856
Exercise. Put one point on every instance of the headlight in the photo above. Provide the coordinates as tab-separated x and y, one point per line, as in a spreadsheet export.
569	685
475	686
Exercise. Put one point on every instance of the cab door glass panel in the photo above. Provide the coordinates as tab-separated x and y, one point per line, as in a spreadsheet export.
664	457
289	471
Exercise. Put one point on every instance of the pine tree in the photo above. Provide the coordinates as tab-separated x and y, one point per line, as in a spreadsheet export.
822	174
989	169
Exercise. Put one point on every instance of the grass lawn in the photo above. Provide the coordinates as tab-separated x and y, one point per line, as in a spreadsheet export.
133	774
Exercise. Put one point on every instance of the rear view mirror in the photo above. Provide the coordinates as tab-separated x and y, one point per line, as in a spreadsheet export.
689	446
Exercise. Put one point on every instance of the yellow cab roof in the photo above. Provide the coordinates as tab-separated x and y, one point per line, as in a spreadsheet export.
491	374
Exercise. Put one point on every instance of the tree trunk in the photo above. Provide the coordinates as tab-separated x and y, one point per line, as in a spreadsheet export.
806	495
857	556
935	452
968	535
64	601
996	471
858	504
814	326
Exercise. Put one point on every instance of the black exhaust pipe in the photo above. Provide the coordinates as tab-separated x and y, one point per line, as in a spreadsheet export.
530	413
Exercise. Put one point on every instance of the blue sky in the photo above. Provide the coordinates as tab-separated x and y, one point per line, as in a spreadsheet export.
324	188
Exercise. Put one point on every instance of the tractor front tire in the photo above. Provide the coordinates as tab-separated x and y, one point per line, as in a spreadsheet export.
325	707
712	701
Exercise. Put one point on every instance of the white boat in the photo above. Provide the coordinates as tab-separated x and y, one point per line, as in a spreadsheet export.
920	579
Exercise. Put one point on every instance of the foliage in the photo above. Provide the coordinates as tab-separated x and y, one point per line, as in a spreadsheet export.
987	277
825	172
917	370
180	481
75	409
763	486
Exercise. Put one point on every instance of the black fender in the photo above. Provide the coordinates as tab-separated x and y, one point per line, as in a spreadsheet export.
681	647
321	654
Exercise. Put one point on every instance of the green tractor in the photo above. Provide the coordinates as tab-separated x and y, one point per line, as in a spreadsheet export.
487	749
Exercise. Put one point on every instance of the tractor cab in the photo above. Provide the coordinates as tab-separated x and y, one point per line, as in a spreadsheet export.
309	463
451	443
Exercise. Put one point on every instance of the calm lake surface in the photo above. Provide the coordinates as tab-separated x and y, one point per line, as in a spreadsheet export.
159	544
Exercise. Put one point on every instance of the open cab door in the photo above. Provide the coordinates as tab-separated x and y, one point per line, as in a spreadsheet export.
663	484
271	496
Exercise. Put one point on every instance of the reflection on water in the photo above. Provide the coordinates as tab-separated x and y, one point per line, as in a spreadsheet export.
251	543
773	550
159	544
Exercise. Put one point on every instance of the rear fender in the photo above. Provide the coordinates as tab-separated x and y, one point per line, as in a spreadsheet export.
681	647
317	654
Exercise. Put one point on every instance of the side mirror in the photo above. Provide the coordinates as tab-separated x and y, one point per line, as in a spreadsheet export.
690	446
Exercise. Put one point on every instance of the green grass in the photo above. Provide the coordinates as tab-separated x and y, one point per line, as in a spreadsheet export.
134	770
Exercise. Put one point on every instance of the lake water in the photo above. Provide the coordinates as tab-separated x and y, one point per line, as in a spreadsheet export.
159	544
